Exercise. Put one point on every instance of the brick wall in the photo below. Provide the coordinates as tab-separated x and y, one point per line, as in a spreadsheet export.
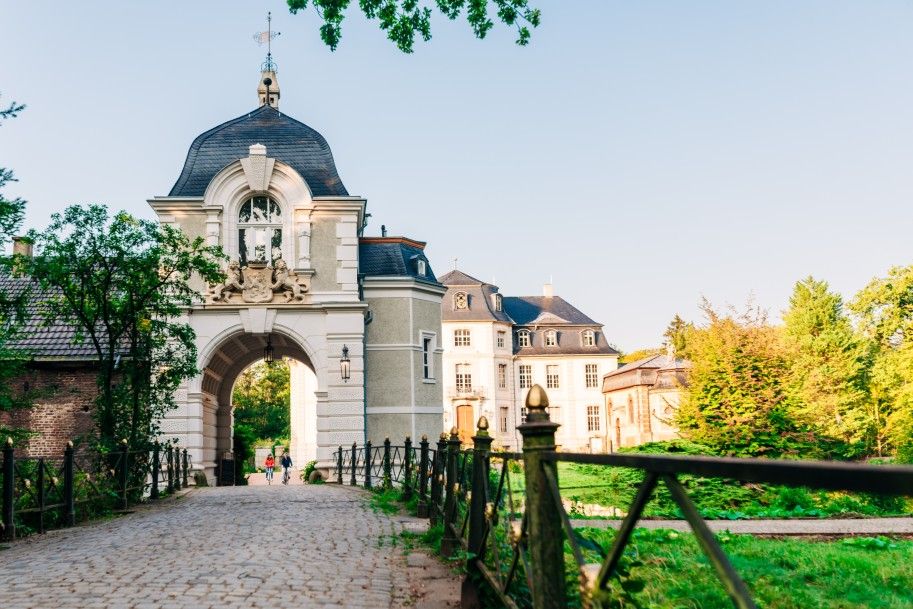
63	395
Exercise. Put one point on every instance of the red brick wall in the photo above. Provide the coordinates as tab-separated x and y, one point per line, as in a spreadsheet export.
63	398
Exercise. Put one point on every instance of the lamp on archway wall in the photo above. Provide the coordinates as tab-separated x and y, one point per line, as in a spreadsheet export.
268	350
345	366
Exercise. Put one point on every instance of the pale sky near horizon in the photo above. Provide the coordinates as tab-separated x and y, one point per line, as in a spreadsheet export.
643	154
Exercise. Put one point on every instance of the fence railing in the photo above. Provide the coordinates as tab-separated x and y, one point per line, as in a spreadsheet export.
505	510
39	493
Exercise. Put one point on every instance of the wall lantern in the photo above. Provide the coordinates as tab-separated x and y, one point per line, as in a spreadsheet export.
345	366
268	350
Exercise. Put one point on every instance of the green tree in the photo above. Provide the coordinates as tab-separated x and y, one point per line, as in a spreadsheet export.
885	310
261	399
633	356
125	284
828	366
676	333
403	20
13	299
737	400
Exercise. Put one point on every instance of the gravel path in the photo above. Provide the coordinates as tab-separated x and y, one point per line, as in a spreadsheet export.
844	526
233	547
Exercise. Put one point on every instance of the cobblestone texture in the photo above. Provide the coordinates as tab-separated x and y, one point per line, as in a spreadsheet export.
241	547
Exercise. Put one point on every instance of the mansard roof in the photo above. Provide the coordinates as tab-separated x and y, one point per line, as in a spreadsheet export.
393	257
285	138
479	294
545	310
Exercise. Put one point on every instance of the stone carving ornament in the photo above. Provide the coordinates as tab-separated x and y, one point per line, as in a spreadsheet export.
257	283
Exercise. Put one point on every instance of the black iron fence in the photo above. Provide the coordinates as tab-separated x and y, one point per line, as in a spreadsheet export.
505	511
39	493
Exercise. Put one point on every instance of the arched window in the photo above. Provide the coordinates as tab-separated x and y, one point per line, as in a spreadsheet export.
551	338
523	339
259	230
460	301
630	409
589	338
496	302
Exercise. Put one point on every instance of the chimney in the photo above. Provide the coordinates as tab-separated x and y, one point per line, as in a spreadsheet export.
22	248
547	290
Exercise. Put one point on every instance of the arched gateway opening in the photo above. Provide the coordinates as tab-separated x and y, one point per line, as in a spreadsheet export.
219	374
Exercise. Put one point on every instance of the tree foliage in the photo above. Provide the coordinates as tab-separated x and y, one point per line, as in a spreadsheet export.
738	401
828	366
885	310
261	399
676	333
403	20
124	284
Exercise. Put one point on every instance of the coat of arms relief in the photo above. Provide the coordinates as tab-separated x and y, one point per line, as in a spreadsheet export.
257	283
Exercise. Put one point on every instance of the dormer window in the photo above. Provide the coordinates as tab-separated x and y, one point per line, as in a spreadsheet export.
259	230
589	338
420	267
551	338
523	338
496	302
460	301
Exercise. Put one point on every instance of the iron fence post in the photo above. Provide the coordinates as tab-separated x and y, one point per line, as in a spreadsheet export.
353	482
156	465
41	496
422	509
437	479
407	469
9	472
545	537
186	466
170	486
124	472
368	459
177	468
470	592
339	466
450	542
388	482
69	491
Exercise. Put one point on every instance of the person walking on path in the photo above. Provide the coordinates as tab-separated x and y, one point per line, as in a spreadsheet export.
269	464
286	462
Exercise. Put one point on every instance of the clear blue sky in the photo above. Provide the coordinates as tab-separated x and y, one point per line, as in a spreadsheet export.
642	153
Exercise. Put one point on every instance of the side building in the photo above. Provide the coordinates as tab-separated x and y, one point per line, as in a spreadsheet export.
497	347
641	399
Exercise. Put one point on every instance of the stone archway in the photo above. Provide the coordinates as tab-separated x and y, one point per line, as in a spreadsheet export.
219	374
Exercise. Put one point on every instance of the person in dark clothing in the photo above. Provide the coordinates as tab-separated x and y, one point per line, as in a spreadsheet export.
286	462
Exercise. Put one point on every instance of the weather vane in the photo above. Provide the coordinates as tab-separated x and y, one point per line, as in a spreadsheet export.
267	39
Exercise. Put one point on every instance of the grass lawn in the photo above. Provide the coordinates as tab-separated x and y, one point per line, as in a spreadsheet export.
781	573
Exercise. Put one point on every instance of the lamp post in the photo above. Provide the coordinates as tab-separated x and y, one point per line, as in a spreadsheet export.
268	350
345	365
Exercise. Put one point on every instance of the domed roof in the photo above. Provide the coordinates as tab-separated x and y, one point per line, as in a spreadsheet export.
286	139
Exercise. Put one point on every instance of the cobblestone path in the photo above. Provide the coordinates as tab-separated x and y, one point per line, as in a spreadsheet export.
242	547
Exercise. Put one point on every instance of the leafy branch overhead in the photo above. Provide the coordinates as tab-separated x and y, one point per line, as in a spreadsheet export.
403	20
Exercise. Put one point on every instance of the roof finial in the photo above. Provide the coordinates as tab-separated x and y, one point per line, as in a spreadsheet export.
455	263
268	89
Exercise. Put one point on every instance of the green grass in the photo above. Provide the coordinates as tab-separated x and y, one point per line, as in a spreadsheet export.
781	573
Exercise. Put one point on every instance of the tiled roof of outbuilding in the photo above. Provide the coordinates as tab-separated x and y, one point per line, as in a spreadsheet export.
286	139
41	339
392	257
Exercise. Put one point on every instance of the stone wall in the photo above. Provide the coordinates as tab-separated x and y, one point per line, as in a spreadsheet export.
63	397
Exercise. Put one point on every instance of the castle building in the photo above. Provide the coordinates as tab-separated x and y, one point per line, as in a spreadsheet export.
497	347
360	316
641	399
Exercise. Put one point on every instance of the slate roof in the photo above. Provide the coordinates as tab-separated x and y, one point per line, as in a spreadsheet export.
526	309
392	257
286	139
480	301
40	339
653	362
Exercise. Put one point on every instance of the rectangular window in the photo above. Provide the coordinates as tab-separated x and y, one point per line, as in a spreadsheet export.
526	376
592	418
426	357
592	376
551	377
461	338
523	338
505	418
502	376
463	378
501	337
551	339
523	414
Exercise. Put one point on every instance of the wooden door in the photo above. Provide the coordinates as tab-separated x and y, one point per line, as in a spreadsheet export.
465	423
